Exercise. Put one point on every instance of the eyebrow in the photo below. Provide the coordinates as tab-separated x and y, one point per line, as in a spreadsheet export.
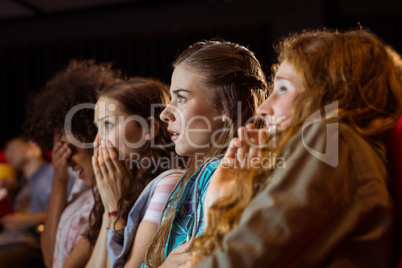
103	118
176	91
180	89
281	78
291	79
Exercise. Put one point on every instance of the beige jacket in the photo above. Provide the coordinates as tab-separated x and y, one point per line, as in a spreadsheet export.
315	215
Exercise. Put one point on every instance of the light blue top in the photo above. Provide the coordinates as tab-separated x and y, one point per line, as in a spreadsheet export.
189	213
190	206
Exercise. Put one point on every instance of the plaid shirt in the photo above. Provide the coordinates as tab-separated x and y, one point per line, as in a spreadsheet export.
190	207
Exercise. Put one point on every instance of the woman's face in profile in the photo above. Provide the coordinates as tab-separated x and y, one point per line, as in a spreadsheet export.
191	119
276	109
123	130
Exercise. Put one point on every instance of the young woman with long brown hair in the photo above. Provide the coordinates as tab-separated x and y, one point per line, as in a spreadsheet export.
133	170
216	87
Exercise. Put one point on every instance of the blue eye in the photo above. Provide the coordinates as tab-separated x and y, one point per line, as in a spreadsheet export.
108	124
283	90
180	98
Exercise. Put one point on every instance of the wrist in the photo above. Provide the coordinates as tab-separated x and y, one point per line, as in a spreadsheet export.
61	178
59	188
112	213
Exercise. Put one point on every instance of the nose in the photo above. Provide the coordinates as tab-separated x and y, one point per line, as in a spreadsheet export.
266	108
167	114
96	141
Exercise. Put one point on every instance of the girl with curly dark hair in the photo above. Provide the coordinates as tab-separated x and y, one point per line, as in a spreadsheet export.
78	83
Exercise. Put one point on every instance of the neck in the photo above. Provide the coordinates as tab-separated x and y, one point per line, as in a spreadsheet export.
31	166
200	158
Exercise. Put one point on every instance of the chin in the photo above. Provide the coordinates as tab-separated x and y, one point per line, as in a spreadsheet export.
182	151
89	182
179	152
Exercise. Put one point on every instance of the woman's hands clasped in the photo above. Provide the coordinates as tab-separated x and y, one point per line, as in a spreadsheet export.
112	175
245	156
247	151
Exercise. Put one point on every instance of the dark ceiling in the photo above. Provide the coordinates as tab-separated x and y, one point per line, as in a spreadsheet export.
143	37
14	9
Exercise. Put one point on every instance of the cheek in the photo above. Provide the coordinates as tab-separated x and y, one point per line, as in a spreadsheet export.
132	132
206	123
195	118
102	134
107	135
283	106
81	156
86	160
179	117
130	138
114	139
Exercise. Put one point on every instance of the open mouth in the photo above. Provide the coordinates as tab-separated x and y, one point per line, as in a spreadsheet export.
80	173
175	135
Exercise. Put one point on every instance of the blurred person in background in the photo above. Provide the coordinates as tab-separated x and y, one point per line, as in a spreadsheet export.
8	185
19	236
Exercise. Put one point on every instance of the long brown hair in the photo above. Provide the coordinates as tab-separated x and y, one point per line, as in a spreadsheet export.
137	97
354	68
233	74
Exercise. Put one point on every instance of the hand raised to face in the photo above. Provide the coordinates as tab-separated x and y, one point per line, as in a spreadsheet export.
61	155
112	176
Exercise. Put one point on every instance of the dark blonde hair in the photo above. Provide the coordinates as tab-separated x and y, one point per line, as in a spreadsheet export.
233	74
354	68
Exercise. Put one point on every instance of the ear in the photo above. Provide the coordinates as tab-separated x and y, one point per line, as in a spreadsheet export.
153	128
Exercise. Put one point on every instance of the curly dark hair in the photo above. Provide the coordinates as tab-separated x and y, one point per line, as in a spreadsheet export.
80	82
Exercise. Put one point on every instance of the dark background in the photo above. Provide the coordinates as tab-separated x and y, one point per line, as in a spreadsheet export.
143	37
